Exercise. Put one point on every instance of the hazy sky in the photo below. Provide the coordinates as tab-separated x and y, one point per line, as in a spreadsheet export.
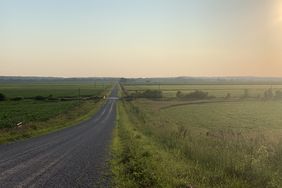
141	38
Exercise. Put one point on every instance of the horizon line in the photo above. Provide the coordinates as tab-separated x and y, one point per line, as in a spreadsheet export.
153	77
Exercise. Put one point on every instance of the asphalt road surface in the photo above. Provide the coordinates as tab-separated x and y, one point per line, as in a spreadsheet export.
73	157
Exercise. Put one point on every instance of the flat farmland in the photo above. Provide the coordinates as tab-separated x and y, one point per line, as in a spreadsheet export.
40	107
206	143
13	112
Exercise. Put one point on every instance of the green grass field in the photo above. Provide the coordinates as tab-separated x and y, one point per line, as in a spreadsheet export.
38	116
205	144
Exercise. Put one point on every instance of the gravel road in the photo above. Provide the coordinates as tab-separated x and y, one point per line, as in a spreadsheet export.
73	157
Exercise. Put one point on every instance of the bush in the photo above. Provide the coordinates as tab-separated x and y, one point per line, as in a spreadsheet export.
278	94
246	93
196	95
149	94
179	94
17	98
228	96
40	98
152	94
2	97
52	98
268	94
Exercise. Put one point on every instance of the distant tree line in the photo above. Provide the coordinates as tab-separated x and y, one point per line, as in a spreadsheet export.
49	98
268	94
149	93
195	95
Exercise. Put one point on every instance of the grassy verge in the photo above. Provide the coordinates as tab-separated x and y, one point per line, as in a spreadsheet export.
71	117
137	161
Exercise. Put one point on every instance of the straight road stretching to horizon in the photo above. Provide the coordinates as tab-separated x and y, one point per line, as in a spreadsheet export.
73	157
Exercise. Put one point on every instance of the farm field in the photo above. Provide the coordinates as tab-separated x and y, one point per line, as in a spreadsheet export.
54	89
39	107
180	143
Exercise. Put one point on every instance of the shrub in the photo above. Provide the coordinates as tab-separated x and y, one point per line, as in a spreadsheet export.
278	94
228	96
40	98
246	93
148	94
196	95
17	98
152	94
52	98
268	94
2	97
179	94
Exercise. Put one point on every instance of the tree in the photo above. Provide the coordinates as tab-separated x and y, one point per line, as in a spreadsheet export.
2	97
148	94
246	93
278	94
268	94
123	80
228	96
39	98
152	94
197	95
179	94
19	98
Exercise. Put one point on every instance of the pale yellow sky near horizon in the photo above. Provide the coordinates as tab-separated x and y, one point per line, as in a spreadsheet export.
141	39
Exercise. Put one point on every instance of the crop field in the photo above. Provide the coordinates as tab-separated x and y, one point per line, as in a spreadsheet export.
56	90
210	143
37	104
13	112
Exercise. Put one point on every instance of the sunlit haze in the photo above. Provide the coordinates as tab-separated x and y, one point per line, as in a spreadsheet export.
141	38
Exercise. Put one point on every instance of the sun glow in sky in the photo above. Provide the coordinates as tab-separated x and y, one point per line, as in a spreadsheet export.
141	38
279	12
